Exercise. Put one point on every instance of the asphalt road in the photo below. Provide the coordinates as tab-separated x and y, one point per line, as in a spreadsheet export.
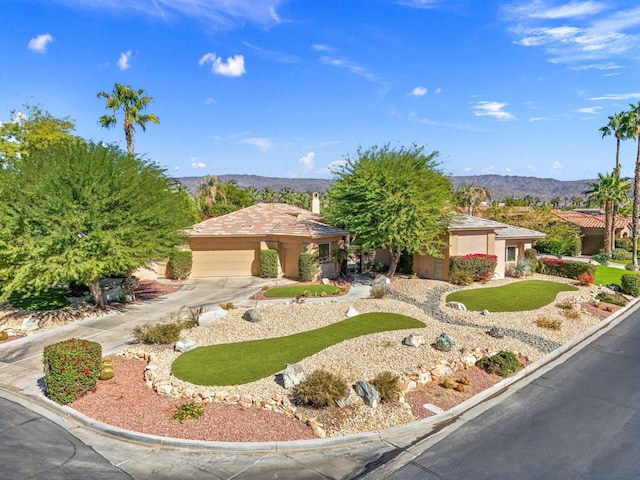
579	420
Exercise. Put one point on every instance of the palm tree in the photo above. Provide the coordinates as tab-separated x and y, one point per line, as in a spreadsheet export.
610	190
131	103
268	195
207	194
470	195
616	127
631	127
287	195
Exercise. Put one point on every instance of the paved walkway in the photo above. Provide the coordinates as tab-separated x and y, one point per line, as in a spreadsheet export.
144	456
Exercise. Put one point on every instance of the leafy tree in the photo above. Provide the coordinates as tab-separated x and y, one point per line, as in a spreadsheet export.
79	211
392	198
268	195
131	103
215	197
31	129
470	196
609	191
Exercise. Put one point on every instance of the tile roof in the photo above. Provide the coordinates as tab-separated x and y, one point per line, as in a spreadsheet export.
513	232
586	220
502	230
263	219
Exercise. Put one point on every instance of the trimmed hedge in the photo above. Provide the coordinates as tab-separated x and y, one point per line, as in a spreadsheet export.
630	284
180	262
307	267
479	265
72	368
269	263
566	268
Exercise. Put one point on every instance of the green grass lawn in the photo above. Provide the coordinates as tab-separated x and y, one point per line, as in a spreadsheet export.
513	297
244	362
292	291
606	275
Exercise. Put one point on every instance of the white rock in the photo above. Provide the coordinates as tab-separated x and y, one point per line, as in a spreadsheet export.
433	408
184	345
352	312
29	324
457	306
210	316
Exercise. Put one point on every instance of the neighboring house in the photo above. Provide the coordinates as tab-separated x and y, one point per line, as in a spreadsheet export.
468	235
230	245
592	228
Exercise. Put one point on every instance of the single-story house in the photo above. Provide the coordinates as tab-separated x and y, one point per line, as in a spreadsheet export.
592	228
230	245
471	235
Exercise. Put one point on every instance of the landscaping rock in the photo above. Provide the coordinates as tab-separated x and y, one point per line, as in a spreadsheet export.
380	282
326	281
252	315
413	340
485	312
352	312
457	306
293	375
184	345
615	287
496	332
444	342
368	393
30	324
210	316
346	401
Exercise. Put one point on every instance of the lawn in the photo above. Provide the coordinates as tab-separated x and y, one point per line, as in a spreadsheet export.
293	291
513	297
606	275
244	362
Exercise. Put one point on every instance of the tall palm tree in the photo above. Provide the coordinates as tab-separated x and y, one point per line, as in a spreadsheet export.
631	122
470	196
268	195
610	190
616	127
131	103
207	194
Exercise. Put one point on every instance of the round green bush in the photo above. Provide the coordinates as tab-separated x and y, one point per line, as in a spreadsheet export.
502	363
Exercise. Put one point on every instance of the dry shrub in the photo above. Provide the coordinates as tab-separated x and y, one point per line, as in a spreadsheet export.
572	314
388	386
550	323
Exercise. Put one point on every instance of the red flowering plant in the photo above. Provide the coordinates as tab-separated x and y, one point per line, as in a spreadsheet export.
480	265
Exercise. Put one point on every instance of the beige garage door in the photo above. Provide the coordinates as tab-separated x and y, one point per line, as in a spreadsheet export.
244	260
291	257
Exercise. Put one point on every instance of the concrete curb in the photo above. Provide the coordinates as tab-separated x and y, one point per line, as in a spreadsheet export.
409	433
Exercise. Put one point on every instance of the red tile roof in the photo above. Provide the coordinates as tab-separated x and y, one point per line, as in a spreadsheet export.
265	219
586	220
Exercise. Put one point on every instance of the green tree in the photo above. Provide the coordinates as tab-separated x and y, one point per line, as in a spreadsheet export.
31	129
609	191
470	196
392	198
631	127
617	128
130	103
80	211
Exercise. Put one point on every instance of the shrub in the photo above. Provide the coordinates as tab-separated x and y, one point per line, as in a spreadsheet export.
586	279
3	335
502	363
160	333
524	268
388	386
461	278
566	304
479	265
630	266
550	323
269	263
322	389
621	254
448	383
379	267
180	262
464	380
623	244
188	411
106	369
612	299
566	269
630	284
572	313
227	306
307	267
71	369
378	292
602	258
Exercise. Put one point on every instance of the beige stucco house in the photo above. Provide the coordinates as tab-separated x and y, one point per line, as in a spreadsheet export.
592	228
469	235
230	245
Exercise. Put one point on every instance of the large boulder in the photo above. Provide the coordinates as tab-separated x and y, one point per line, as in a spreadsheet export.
444	342
352	312
211	315
381	281
293	375
252	315
184	345
368	393
413	340
457	306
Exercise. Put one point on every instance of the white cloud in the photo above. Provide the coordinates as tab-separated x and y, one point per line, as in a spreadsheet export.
557	166
419	3
320	48
233	67
210	101
196	163
261	143
589	110
123	61
488	169
538	119
492	109
466	169
308	160
419	91
437	91
507	170
617	96
39	44
531	168
351	67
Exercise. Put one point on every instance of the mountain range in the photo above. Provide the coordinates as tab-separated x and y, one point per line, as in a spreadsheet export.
499	186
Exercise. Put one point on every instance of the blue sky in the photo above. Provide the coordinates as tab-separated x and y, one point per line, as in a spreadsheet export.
291	87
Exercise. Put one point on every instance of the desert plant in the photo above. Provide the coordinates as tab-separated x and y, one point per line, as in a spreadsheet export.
188	411
602	258
572	313
71	369
180	263
388	386
227	306
524	268
307	267
378	292
566	304
549	323
269	263
630	284
460	387
106	369
322	389
502	363
3	335
448	383
461	278
192	315
160	333
464	380
613	299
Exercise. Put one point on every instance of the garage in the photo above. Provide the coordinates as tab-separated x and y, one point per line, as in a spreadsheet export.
220	258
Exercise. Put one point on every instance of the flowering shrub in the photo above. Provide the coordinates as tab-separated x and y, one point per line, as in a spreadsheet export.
481	266
566	269
71	368
586	279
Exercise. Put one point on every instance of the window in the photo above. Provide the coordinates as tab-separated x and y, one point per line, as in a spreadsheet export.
512	254
324	252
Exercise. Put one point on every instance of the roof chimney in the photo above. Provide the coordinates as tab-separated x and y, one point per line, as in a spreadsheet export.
315	203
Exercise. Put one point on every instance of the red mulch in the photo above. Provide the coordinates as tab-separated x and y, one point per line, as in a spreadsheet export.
602	311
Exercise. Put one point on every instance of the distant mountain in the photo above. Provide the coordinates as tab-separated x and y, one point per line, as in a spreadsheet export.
500	186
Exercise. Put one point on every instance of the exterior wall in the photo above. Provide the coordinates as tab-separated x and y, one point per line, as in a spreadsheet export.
500	250
152	271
